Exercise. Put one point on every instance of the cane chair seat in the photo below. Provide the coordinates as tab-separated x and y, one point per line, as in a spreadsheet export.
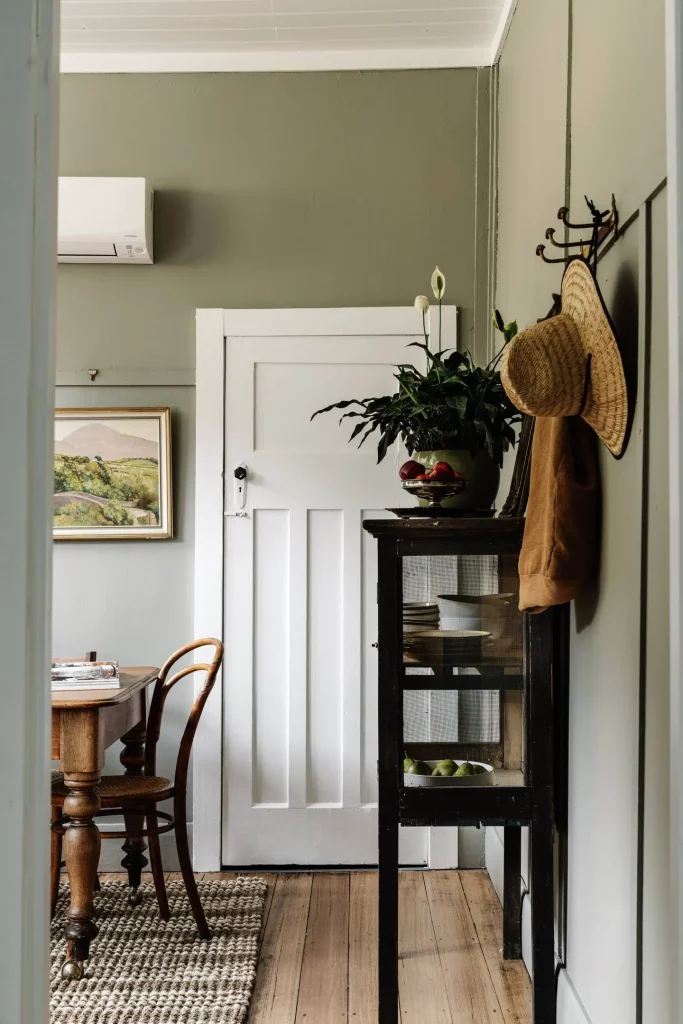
115	790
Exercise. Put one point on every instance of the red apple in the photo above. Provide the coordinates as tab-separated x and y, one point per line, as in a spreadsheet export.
422	476
442	473
409	470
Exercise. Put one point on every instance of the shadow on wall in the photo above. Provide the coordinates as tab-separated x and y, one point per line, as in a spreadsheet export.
278	232
189	226
623	309
625	318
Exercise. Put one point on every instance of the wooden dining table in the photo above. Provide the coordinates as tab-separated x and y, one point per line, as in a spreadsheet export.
84	724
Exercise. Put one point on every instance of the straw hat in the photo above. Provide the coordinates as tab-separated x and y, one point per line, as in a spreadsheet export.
570	365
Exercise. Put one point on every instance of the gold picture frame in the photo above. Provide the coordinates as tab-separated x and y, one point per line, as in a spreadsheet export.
112	474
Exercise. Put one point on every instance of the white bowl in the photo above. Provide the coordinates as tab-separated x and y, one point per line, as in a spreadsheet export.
483	779
474	611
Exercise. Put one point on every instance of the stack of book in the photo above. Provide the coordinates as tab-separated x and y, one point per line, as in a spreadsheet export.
85	675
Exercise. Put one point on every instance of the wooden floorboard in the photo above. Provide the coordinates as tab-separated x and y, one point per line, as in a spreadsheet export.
420	978
363	948
323	990
509	977
471	995
318	950
279	971
270	882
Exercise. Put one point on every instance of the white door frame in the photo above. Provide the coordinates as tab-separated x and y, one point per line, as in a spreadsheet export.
28	183
213	326
674	99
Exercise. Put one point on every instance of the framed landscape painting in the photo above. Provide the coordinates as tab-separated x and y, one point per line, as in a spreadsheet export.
112	474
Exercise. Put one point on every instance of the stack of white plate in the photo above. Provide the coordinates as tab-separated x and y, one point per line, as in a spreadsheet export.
418	616
431	645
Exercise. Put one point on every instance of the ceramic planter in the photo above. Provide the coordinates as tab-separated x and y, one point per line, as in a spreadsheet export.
481	472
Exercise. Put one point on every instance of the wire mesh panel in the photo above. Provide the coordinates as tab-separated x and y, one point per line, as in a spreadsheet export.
460	620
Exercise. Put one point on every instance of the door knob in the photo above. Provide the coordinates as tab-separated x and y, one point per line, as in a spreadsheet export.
240	476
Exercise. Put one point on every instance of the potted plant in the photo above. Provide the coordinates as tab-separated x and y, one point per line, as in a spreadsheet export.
454	412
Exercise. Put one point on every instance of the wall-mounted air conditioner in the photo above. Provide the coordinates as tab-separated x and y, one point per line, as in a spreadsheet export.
104	220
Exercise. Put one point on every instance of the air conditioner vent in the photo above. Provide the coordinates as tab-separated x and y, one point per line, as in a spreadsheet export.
104	220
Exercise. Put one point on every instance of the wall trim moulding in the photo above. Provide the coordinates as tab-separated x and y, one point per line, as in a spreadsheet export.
126	378
295	60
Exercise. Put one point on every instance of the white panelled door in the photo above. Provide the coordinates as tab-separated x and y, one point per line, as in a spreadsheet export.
300	783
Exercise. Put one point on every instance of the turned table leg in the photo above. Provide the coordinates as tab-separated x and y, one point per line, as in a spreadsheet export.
133	759
82	854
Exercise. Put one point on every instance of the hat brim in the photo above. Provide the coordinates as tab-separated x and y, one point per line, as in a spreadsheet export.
605	406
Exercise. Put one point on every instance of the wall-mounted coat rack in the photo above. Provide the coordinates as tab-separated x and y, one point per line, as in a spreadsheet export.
593	234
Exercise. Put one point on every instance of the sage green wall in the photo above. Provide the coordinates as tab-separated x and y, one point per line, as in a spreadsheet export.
270	190
581	111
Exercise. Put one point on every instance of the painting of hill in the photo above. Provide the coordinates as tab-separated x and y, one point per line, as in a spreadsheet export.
108	474
94	439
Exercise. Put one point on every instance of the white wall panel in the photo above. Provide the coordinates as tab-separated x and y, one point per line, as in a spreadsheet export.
369	664
325	656
271	635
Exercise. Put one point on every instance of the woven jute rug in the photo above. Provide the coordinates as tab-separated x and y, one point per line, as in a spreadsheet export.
143	970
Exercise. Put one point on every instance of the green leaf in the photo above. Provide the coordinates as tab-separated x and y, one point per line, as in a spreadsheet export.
339	405
511	331
454	404
356	430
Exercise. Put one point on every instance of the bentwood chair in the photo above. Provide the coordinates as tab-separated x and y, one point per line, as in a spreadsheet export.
136	797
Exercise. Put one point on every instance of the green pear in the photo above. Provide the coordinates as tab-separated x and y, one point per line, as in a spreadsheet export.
446	768
479	769
407	762
419	768
465	769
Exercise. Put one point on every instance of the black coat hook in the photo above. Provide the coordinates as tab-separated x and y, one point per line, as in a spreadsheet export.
604	223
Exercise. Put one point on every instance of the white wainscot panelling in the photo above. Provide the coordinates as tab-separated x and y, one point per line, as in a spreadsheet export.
318	385
325	656
271	607
300	691
369	664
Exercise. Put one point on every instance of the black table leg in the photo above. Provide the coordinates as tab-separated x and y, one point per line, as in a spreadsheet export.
542	921
388	924
512	893
389	775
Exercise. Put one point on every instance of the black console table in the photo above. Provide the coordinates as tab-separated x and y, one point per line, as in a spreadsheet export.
518	657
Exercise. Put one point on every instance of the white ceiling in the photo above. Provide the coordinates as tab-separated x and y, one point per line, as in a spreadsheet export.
179	35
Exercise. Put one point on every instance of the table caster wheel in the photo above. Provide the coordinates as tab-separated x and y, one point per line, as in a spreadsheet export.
134	898
72	970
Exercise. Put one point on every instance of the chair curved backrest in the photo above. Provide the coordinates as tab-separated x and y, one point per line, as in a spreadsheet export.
162	688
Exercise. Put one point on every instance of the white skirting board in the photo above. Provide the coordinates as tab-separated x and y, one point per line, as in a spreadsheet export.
569	1007
112	854
493	846
494	866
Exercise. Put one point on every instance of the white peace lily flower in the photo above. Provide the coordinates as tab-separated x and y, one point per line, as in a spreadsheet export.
438	283
421	303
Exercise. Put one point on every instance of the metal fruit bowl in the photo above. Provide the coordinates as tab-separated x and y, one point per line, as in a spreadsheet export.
434	491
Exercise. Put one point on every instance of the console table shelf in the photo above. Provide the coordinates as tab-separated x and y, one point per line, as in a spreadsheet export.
434	570
443	681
